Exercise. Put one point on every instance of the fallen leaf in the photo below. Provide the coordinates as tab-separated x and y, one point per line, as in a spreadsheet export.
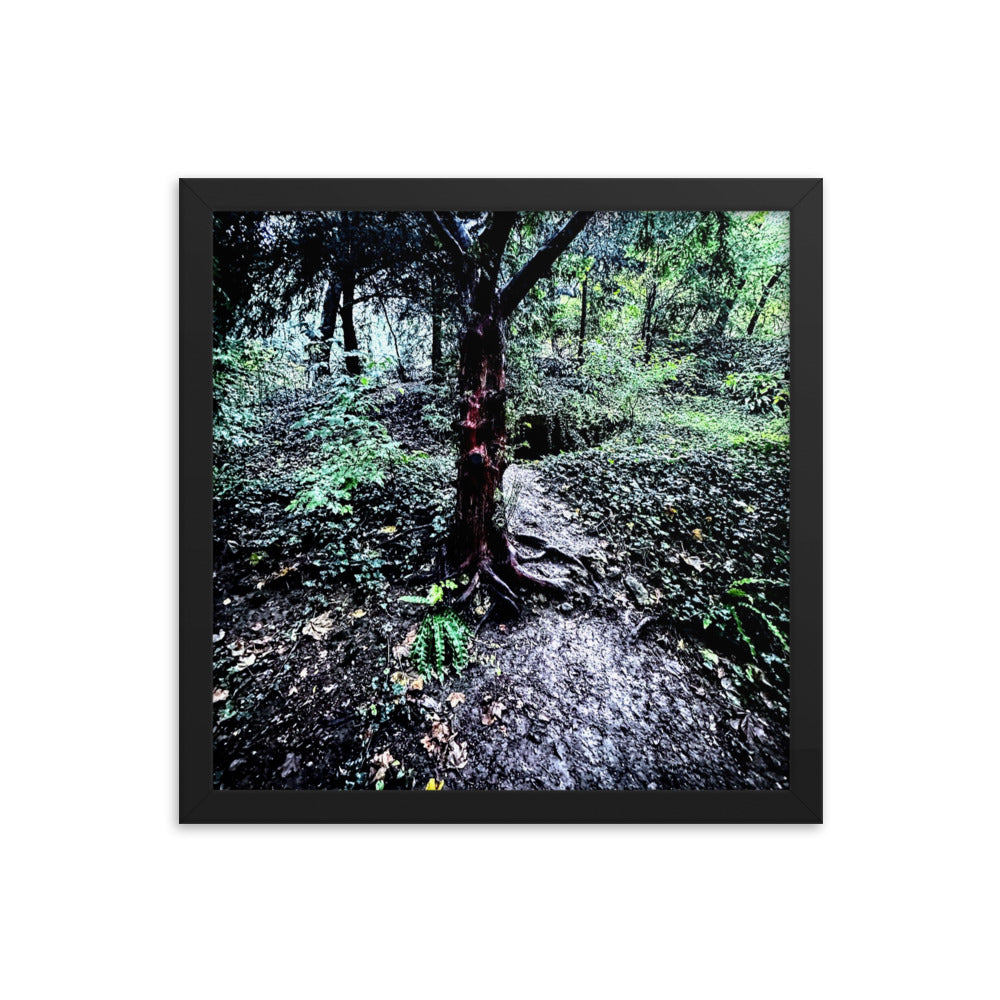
428	744
455	698
434	785
219	694
304	672
697	533
218	636
360	613
694	562
493	712
319	626
387	530
458	755
246	661
417	684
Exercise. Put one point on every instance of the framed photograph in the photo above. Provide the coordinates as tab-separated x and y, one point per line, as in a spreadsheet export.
508	491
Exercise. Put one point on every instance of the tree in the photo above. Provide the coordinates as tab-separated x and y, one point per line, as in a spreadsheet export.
762	301
478	544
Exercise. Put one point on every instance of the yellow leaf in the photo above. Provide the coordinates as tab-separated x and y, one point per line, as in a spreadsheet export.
387	530
697	533
434	785
360	613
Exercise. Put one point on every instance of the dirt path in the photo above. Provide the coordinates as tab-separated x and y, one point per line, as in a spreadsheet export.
588	704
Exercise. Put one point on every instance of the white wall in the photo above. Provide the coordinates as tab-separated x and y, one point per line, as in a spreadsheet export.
107	104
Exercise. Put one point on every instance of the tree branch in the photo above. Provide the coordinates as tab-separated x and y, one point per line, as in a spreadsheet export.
494	242
456	227
448	239
521	283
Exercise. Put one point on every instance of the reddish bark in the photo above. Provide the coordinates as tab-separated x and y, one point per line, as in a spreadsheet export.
478	545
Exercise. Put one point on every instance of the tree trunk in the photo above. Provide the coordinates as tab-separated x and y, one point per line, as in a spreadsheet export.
647	319
328	326
437	373
722	320
763	300
401	371
692	318
482	382
351	359
478	543
583	319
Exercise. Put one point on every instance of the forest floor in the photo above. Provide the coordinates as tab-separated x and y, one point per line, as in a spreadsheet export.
313	688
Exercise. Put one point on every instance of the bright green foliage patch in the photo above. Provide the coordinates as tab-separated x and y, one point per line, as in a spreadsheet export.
442	644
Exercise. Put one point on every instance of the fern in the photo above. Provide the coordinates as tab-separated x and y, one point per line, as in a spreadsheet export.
442	642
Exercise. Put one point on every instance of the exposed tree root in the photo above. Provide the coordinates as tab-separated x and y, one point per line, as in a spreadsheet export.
502	588
503	575
467	593
523	576
549	551
532	541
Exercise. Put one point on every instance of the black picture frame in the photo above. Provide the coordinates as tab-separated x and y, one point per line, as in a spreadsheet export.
800	803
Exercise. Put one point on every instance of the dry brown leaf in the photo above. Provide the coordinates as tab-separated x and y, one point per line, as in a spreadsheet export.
319	626
455	698
417	684
429	745
219	694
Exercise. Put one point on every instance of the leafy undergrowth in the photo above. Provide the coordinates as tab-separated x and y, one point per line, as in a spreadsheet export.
700	510
329	674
